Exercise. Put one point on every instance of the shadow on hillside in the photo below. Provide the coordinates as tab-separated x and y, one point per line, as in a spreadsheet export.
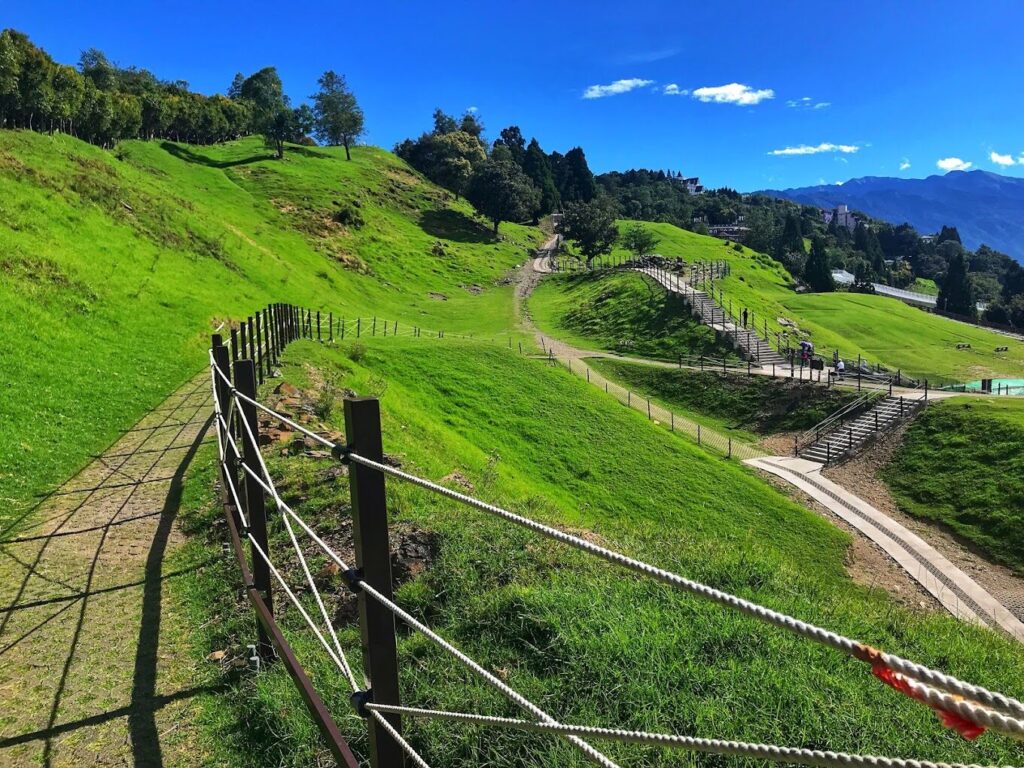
186	154
454	225
316	152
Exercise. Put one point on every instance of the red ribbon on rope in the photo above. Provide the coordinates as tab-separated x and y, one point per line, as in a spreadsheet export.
966	728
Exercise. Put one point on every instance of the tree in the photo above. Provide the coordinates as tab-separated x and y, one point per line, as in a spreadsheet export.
574	179
536	166
591	225
95	65
235	89
264	90
791	239
338	119
948	234
865	239
471	124
10	72
817	271
288	125
639	240
456	156
501	192
444	123
512	138
956	295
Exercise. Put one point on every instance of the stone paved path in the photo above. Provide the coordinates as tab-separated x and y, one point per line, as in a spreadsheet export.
956	590
93	662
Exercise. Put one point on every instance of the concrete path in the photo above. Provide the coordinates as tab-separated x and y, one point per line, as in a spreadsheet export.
961	595
94	667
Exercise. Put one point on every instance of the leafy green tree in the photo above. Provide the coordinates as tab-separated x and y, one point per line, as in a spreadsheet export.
456	156
956	294
263	89
639	240
948	234
591	225
235	89
865	239
501	192
817	271
288	125
791	239
94	65
338	117
10	72
536	166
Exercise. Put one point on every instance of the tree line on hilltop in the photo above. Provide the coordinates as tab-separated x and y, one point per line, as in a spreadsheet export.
102	103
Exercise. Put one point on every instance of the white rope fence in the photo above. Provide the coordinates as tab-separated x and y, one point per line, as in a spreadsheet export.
969	705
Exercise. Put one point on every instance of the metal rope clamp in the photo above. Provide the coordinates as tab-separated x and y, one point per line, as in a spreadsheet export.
359	701
354	579
341	452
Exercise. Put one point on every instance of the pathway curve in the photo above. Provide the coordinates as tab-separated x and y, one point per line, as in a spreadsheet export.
94	666
952	587
959	593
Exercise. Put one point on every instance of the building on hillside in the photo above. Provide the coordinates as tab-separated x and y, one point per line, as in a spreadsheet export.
729	231
842	216
693	186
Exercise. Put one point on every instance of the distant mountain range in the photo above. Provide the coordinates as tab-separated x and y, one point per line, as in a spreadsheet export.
984	207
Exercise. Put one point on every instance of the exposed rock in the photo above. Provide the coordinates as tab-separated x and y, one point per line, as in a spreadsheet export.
459	479
286	389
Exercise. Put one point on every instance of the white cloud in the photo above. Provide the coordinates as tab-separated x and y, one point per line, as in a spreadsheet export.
613	89
674	90
472	110
953	164
904	164
806	102
998	159
647	57
807	149
733	93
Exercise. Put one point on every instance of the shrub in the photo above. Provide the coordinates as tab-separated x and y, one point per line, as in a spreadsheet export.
357	352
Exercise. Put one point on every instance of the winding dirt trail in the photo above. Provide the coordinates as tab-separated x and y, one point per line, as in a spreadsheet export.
94	668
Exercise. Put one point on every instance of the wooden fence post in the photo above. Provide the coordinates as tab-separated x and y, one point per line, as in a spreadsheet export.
318	336
373	560
330	325
255	503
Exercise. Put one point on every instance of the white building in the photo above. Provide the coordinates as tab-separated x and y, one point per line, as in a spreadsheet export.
842	215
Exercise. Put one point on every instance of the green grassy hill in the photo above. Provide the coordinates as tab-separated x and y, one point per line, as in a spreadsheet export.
622	312
588	641
881	329
961	465
116	266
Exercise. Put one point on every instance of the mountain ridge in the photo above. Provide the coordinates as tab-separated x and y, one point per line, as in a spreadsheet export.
985	207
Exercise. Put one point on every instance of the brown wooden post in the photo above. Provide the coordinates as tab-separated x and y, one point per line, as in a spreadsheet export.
255	504
330	325
373	561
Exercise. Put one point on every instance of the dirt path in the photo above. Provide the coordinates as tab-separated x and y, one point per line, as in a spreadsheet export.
93	666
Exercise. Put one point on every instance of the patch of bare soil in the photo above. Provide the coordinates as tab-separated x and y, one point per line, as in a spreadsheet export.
779	444
866	563
862	476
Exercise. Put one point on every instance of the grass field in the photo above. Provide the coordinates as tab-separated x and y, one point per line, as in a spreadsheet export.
741	406
880	329
589	643
961	465
621	312
116	266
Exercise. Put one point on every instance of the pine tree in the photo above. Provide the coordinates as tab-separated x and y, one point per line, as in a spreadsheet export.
957	292
818	273
537	168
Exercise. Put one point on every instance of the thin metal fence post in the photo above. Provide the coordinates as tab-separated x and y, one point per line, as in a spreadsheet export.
255	503
229	471
258	356
373	561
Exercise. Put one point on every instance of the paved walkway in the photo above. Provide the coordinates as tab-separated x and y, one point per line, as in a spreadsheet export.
94	669
953	588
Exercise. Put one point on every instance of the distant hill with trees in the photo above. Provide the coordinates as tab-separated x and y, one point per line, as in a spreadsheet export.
985	207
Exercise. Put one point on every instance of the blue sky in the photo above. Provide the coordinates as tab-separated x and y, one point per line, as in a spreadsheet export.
748	94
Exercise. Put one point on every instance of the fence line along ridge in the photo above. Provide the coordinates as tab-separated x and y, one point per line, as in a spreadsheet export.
247	483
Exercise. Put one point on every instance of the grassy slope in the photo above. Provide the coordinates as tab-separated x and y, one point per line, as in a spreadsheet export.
961	465
879	328
592	645
115	268
740	405
621	312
